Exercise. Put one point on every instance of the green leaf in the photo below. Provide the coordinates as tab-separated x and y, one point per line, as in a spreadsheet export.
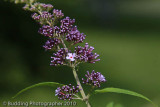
110	104
51	84
123	91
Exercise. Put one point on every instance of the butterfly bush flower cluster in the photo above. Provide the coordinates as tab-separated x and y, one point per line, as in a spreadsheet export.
62	35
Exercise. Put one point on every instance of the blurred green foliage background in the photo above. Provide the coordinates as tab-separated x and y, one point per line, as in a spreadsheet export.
125	33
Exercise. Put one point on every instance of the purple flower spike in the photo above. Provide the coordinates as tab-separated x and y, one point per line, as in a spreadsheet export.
94	79
46	30
66	92
85	54
58	13
75	36
53	42
59	57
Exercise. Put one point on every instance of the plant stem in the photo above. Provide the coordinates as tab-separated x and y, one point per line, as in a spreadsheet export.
85	98
64	45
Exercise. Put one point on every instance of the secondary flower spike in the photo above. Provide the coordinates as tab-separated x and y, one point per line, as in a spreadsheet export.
66	92
94	78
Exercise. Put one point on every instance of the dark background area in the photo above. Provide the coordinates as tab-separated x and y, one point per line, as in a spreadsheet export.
124	32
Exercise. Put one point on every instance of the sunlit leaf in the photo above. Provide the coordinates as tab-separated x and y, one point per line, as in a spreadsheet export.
50	84
123	91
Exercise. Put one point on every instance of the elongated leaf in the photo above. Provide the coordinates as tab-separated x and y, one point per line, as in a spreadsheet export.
123	91
51	84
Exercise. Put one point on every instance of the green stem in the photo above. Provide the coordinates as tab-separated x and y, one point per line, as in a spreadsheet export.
64	45
85	98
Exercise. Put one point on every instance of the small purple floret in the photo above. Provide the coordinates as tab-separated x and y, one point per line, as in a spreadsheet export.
58	13
46	30
36	17
66	24
43	17
42	6
59	57
52	42
46	6
46	15
75	36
